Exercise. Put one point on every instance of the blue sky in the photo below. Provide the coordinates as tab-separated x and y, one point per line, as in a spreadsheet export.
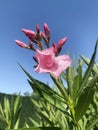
78	20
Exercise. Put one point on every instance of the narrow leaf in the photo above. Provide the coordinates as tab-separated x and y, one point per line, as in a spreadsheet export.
69	79
61	88
85	98
88	71
87	61
42	128
93	122
53	99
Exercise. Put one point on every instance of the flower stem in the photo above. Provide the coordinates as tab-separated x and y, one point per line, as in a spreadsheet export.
71	107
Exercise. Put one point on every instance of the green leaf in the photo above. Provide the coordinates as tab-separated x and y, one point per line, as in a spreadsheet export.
87	61
42	128
77	82
16	126
92	123
75	87
88	71
69	79
53	99
1	110
85	98
43	88
61	88
39	85
7	109
16	104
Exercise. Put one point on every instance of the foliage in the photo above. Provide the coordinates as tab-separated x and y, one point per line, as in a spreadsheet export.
71	104
10	113
74	101
74	94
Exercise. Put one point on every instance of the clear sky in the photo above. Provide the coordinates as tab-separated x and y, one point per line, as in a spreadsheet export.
76	19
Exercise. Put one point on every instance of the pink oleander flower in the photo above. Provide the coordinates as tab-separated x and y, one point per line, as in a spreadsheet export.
21	44
49	63
30	34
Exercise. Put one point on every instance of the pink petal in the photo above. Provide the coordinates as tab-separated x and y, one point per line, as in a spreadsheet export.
64	62
48	63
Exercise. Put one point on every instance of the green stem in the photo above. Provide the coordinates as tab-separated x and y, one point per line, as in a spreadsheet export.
71	107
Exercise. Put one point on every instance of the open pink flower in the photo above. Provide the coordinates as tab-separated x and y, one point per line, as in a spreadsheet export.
48	63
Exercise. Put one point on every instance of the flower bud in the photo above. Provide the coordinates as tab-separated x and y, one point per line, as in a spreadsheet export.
45	38
55	49
43	35
61	43
21	44
47	31
37	28
30	34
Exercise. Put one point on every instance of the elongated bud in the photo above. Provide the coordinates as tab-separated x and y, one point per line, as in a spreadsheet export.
21	44
55	50
61	43
38	35
43	35
47	31
45	38
37	28
30	34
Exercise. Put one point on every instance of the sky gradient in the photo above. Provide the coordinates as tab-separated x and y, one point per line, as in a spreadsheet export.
78	20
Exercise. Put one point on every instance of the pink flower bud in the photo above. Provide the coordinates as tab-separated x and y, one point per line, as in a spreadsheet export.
47	31
55	50
21	44
45	38
30	34
43	35
61	43
37	28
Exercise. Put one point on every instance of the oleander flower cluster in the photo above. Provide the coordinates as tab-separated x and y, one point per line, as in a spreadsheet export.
47	58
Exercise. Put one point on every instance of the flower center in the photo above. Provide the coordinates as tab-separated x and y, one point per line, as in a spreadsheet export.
49	61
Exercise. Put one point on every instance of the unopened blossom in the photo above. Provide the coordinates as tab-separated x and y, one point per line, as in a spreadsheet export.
30	34
48	63
61	43
57	47
45	38
55	50
43	35
47	31
21	44
37	28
